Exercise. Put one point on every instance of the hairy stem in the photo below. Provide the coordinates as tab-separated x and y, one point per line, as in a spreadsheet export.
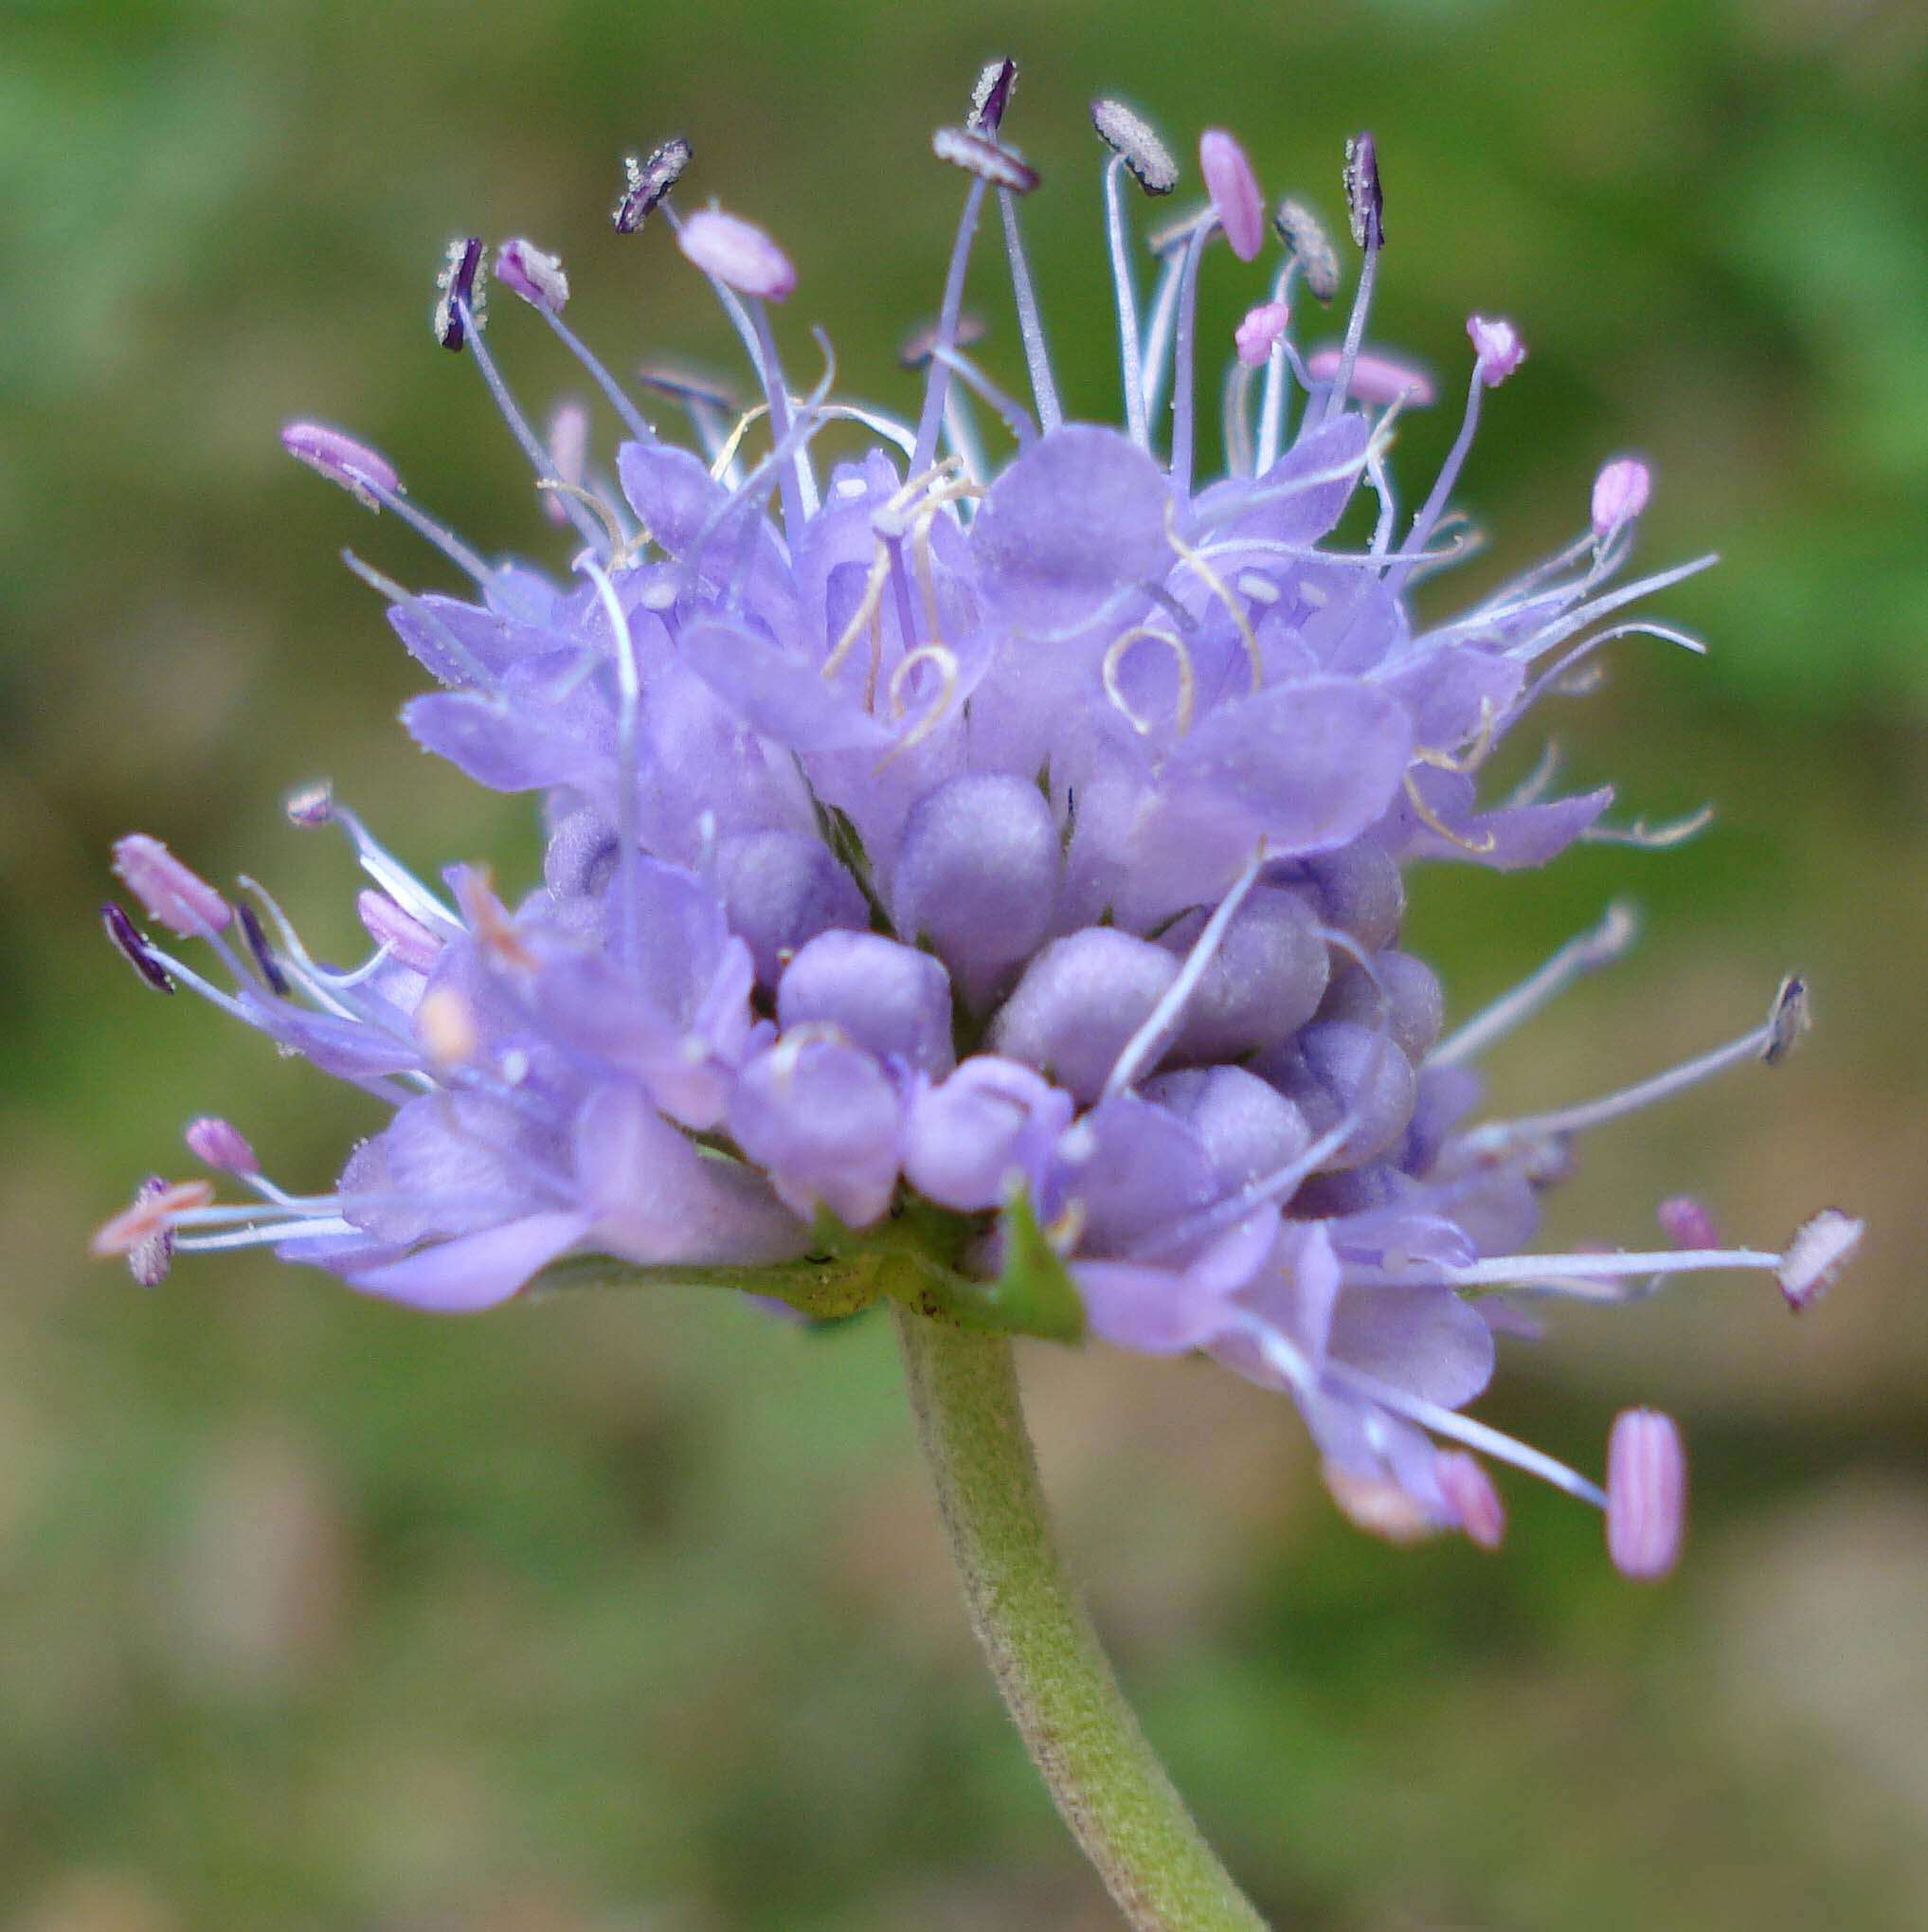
1107	1782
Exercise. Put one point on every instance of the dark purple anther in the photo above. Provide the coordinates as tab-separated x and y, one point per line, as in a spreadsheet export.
995	84
1363	201
133	948
258	945
647	182
458	283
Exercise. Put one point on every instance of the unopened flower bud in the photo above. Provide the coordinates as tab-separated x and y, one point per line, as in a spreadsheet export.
1497	346
221	1145
460	287
1620	493
180	899
647	182
1128	135
737	253
1259	332
523	269
341	460
1647	1494
1233	189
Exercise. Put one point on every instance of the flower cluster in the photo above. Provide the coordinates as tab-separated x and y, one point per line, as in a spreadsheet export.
980	881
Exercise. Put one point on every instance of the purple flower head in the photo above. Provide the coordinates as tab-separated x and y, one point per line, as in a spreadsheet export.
974	868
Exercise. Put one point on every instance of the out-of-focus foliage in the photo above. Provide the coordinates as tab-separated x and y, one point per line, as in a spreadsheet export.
622	1613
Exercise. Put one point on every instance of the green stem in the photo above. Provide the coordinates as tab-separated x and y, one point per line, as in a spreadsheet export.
1107	1783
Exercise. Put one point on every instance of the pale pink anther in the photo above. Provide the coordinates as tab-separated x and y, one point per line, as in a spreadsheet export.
221	1145
1497	346
1377	1505
1647	1494
1233	189
1620	493
568	450
341	460
180	899
1258	335
526	270
151	1214
409	942
1376	379
1822	1247
1686	1223
737	253
1475	1502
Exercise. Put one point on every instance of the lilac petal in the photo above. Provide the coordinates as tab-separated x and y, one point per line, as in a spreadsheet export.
466	1158
1310	763
658	1201
824	1121
474	1270
1133	1168
1168	1311
1247	1129
674	496
441	632
1295	1295
1450	693
992	1121
776	693
518	741
1286	504
1081	513
1521	836
891	999
1425	1341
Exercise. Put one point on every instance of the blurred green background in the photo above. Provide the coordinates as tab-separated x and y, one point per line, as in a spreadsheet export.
632	1613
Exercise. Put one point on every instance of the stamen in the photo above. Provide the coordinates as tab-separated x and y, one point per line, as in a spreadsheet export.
1587	952
592	366
1497	348
127	942
403	938
221	1144
1305	235
149	1259
995	84
948	680
1260	332
629	701
1647	1494
978	155
261	951
446	1025
1476	1503
1115	658
1652	838
1016	417
937	381
917	347
568	454
1620	493
1462	1428
460	307
309	805
179	899
341	460
524	270
1143	1049
1136	143
1366	208
1181	359
1126	291
1822	1247
155	1205
394	877
1233	189
738	253
1770	1043
647	182
1686	1223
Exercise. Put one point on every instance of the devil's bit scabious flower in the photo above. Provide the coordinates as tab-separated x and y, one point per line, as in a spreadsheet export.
979	879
